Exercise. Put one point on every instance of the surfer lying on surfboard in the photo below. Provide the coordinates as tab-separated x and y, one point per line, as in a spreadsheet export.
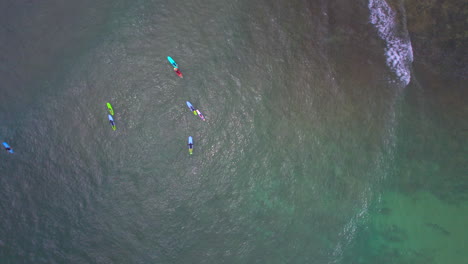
177	71
111	121
7	147
176	67
195	111
200	115
190	145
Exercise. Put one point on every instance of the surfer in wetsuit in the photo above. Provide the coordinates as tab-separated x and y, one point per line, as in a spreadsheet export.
193	110
200	115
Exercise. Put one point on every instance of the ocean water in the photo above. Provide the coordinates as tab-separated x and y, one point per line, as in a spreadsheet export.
321	144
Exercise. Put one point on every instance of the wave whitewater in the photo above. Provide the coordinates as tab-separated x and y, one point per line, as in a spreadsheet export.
399	52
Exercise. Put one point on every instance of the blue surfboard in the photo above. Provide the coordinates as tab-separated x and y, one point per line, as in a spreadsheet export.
111	121
190	106
172	62
8	148
190	145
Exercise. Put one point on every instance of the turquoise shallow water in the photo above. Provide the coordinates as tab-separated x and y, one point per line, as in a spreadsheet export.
303	157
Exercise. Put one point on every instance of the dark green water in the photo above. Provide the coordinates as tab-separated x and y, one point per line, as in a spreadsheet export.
314	149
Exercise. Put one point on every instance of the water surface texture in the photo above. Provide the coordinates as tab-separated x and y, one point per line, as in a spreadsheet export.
321	143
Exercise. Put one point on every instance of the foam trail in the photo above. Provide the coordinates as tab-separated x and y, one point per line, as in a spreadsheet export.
399	54
399	51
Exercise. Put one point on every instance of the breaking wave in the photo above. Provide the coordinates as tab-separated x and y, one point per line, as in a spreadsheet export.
399	52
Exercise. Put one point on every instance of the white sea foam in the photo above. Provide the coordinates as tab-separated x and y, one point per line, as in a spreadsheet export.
399	51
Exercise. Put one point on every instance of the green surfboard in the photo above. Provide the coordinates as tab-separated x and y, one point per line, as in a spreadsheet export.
111	110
